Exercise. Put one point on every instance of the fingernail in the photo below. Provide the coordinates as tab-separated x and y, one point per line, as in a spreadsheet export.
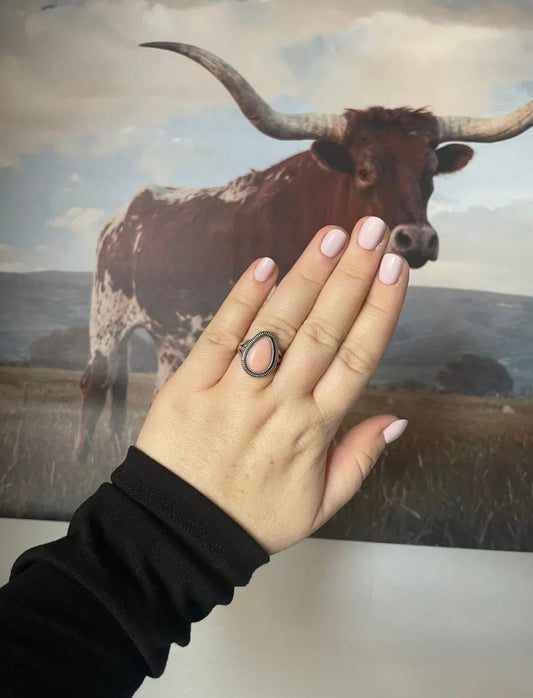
264	269
371	233
395	430
333	243
390	268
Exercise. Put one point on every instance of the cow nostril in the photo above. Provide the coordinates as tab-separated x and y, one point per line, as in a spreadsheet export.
403	240
433	242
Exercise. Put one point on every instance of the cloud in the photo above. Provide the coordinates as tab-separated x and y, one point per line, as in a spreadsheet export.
166	156
74	78
12	259
482	248
512	13
14	267
84	222
74	177
71	254
395	60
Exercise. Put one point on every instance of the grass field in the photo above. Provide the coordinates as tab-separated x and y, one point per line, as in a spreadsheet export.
462	475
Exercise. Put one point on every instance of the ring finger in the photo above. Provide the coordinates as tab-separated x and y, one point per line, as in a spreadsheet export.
288	306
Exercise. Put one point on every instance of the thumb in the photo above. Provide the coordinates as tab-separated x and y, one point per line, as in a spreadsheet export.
352	459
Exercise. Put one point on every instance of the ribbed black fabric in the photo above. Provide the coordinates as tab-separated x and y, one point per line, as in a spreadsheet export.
95	612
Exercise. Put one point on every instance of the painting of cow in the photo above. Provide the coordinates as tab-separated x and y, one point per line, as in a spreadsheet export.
167	259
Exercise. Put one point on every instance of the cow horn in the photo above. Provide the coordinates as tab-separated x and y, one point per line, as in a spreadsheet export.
282	126
483	130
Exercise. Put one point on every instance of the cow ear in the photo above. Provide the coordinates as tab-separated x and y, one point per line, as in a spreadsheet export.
453	157
332	156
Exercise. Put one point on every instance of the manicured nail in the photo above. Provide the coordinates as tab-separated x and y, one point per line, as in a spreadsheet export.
264	269
395	430
390	268
333	243
371	233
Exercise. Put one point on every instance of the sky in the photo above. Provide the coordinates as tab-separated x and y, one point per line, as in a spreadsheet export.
87	118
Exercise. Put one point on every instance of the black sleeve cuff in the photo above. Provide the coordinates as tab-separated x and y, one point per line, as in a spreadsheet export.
192	516
154	552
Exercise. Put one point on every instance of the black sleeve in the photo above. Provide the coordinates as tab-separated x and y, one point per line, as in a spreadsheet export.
93	613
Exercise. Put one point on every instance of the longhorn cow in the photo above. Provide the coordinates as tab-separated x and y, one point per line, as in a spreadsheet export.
168	258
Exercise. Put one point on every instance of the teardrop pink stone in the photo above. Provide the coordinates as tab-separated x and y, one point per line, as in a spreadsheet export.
260	355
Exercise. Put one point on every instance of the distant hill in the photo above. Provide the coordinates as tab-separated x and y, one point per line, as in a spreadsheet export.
36	303
440	324
436	325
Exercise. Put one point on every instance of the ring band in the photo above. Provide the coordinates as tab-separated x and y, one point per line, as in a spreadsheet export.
270	364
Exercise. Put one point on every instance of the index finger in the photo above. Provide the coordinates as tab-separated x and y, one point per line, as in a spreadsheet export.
209	359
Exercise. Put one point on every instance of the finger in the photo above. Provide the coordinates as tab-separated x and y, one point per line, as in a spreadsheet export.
215	349
332	315
352	459
289	304
366	342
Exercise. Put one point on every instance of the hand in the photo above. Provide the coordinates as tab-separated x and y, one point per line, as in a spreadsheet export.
260	447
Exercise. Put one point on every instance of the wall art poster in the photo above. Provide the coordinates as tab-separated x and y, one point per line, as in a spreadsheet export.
133	177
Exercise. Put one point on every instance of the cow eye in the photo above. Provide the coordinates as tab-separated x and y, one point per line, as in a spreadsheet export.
363	173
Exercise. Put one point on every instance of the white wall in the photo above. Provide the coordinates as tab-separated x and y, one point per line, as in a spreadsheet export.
369	620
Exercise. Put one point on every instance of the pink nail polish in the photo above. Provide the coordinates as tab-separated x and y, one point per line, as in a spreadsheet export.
333	242
371	233
395	430
390	268
264	269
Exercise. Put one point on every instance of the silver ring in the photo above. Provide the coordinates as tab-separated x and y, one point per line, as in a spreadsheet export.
244	348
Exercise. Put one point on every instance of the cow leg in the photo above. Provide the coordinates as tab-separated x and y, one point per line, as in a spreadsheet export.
101	373
168	359
119	392
107	368
94	384
172	350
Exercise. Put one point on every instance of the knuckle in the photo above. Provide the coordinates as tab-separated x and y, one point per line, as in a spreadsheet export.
320	332
310	279
364	462
357	361
283	329
376	309
243	305
352	273
221	338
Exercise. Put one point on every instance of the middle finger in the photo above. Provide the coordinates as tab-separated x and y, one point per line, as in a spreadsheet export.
332	315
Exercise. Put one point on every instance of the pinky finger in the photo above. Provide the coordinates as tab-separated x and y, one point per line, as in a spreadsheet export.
352	460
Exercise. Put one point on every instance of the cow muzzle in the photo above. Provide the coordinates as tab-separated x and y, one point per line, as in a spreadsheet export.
416	243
